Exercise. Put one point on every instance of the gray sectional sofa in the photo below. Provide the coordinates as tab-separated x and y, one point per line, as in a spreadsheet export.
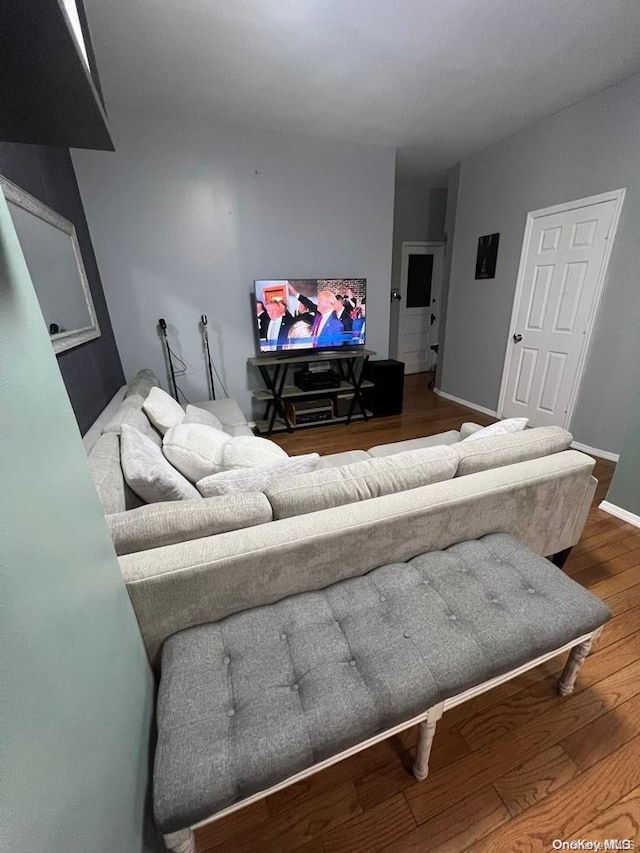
195	561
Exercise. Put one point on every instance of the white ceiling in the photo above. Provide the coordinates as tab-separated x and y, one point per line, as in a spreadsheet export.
436	79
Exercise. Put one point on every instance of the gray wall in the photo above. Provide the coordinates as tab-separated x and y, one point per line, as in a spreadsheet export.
92	372
185	215
76	694
418	215
586	149
624	491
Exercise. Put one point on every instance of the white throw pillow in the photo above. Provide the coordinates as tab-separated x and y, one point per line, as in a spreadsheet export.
148	473
196	415
505	427
248	451
195	449
162	410
255	479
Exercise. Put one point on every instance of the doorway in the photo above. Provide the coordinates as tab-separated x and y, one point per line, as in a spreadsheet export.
563	265
420	297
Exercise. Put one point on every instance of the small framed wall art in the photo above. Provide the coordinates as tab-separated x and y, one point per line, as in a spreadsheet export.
487	256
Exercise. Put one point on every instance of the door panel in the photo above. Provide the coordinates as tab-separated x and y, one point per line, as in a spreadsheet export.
525	374
552	381
420	305
561	271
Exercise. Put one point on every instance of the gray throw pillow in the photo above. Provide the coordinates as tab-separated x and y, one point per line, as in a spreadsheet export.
147	471
256	479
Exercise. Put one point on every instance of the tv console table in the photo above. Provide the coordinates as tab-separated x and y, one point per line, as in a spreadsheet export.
274	370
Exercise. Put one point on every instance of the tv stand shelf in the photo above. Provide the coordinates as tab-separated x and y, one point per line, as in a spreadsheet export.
274	370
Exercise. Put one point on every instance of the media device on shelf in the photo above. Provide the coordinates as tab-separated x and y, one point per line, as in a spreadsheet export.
314	380
304	316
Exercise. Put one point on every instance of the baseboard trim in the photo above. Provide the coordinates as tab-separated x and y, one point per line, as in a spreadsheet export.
594	451
466	403
623	514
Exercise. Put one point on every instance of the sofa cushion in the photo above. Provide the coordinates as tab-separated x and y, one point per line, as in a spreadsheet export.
142	383
196	415
226	410
162	410
504	427
239	429
130	412
147	471
361	480
194	449
486	453
335	460
256	479
159	524
380	450
104	463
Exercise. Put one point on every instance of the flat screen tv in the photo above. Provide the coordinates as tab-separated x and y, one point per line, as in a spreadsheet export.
311	313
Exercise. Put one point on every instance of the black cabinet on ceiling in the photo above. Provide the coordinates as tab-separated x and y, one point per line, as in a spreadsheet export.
48	95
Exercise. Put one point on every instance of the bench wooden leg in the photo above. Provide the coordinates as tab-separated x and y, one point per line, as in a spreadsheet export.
576	658
182	841
426	731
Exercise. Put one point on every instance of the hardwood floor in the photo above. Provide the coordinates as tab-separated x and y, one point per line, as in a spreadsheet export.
511	770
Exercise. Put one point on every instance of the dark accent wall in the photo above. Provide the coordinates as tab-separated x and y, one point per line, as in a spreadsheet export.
92	372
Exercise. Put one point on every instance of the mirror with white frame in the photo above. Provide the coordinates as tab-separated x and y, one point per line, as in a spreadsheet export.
51	250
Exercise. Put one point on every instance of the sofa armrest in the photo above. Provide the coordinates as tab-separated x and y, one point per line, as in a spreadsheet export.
468	428
226	410
540	502
155	525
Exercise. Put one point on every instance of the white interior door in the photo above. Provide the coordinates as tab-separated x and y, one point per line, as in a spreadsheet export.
562	270
421	285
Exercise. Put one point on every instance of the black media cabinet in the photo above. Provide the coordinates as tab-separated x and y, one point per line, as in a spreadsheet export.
278	396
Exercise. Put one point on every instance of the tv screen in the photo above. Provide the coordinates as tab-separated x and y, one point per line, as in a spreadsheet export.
310	313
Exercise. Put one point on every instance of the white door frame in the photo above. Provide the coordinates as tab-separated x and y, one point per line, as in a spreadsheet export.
407	247
614	195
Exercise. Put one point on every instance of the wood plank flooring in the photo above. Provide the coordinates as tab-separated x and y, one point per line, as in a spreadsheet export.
512	770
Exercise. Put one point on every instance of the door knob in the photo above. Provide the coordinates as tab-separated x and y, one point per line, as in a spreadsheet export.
517	339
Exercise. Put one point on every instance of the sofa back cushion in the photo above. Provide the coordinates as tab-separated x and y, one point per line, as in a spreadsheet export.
486	453
198	415
130	412
361	480
159	524
394	447
104	463
226	410
142	383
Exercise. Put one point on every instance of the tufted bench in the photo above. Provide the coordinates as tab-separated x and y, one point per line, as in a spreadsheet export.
269	695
